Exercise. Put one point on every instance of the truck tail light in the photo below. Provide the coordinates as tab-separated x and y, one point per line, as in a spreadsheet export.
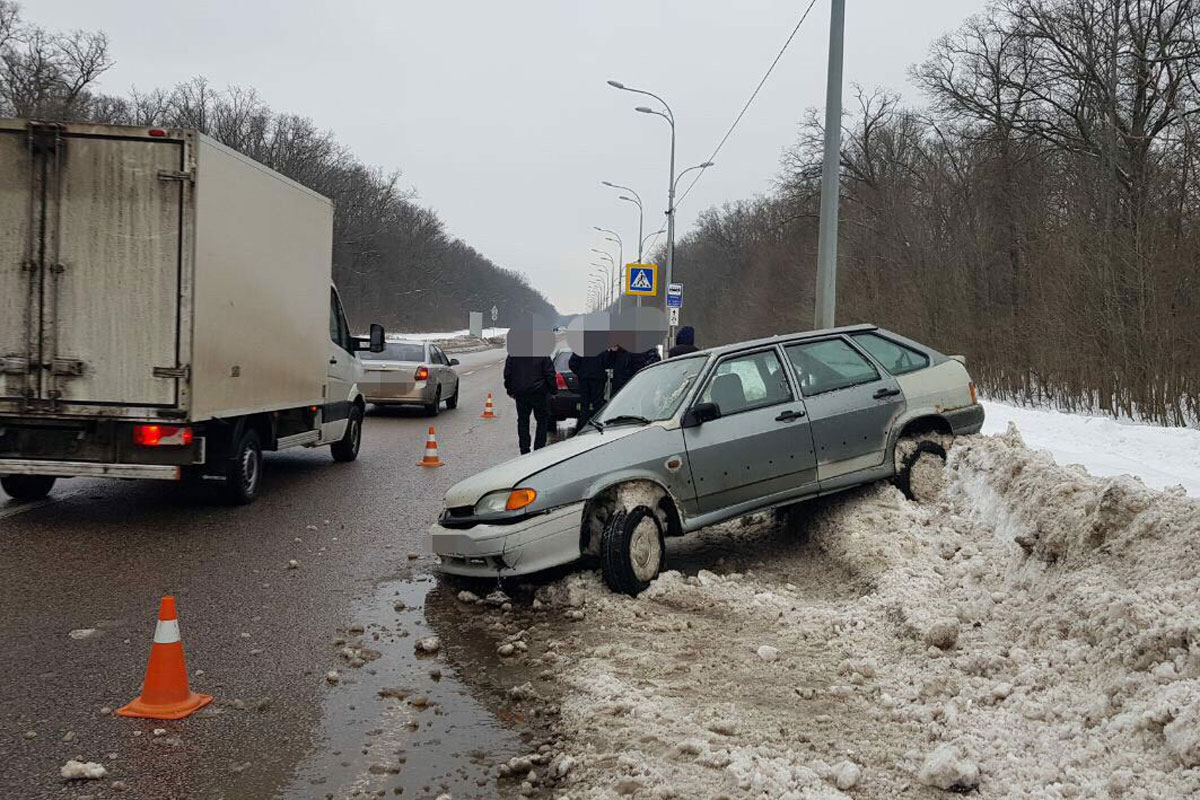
422	373
973	398
158	435
560	381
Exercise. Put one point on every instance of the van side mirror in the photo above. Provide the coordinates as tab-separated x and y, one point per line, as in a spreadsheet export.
699	414
376	345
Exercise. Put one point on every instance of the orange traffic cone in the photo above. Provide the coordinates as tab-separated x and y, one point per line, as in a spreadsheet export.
431	457
165	693
488	413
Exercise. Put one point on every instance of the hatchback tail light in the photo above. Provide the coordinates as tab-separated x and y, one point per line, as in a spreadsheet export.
159	435
973	398
560	381
422	373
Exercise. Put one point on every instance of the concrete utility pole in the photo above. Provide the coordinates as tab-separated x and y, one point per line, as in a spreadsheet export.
826	298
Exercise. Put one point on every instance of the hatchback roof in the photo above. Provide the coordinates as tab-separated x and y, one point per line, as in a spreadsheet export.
790	337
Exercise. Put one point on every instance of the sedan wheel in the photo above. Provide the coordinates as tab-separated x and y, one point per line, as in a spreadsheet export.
632	550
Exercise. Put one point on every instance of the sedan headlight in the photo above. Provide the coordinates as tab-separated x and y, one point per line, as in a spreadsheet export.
496	503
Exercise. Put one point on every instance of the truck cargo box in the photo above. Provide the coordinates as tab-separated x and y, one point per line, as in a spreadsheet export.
156	274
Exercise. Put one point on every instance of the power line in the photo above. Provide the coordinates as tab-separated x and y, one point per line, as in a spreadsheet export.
742	113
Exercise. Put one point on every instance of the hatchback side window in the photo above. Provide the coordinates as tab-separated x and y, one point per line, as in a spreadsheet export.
829	365
747	382
895	357
435	355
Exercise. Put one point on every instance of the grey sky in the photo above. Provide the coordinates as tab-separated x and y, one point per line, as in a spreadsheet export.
498	113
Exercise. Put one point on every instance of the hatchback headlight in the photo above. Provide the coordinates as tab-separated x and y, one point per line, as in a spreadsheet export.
495	503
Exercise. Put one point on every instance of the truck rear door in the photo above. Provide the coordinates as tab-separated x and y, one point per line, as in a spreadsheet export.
90	266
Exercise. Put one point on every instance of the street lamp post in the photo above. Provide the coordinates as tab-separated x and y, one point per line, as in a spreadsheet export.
620	249
669	116
614	267
650	236
603	273
610	280
826	300
636	199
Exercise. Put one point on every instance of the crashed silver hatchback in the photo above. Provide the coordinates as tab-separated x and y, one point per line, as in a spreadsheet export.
704	438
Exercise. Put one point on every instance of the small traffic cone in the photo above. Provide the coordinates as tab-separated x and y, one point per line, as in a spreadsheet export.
431	457
165	693
488	412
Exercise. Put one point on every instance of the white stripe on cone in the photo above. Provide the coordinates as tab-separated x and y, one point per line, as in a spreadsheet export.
166	631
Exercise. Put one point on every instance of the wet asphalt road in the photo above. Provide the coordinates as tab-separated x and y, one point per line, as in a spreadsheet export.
258	636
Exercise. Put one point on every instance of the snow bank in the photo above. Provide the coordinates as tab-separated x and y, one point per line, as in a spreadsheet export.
1035	633
1161	457
446	335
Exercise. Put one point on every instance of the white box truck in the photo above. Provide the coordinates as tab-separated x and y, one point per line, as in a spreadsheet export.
166	311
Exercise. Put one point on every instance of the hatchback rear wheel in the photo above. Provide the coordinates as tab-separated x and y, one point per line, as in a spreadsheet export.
27	487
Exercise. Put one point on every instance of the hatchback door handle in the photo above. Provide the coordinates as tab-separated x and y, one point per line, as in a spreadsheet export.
885	392
333	361
789	415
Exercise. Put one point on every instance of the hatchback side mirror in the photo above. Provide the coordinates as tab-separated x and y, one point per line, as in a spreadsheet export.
454	362
699	414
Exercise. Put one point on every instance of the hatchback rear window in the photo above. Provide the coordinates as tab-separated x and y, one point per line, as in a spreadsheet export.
895	357
398	351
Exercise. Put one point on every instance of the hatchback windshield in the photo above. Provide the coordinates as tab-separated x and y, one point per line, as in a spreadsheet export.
397	351
656	393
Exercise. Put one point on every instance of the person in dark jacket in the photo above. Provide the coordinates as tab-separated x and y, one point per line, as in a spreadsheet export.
685	342
625	365
592	376
529	381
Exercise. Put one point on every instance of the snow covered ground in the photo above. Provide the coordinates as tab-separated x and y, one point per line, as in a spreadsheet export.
487	332
1161	457
1031	634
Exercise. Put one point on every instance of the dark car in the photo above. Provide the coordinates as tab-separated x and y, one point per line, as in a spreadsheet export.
565	404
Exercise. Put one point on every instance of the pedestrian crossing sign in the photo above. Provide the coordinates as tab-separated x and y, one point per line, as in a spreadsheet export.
641	279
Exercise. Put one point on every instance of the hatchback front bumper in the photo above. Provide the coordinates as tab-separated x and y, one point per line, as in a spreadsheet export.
490	551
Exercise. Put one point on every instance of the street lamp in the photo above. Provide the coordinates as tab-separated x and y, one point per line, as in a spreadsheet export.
614	270
637	198
612	294
602	271
651	236
669	116
620	250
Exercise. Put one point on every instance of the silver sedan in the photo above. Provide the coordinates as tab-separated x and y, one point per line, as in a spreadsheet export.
410	373
704	438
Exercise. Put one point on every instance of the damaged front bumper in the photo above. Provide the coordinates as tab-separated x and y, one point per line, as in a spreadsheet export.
490	551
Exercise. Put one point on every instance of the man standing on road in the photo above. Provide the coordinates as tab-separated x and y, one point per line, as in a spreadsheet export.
592	377
685	342
529	381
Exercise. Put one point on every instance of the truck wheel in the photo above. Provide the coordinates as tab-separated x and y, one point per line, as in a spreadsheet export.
632	550
27	487
347	448
431	410
922	472
452	402
244	471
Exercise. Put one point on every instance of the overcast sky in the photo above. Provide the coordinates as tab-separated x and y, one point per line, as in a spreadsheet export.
497	113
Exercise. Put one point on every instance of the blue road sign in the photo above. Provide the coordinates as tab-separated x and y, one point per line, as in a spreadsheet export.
675	295
641	279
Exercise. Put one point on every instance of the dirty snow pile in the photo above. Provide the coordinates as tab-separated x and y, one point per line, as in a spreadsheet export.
1034	633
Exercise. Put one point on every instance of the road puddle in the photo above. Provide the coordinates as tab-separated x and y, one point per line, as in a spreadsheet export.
397	722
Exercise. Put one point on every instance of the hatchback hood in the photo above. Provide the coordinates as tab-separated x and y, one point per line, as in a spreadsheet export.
509	474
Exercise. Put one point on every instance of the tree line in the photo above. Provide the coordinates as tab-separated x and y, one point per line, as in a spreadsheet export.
1040	214
393	260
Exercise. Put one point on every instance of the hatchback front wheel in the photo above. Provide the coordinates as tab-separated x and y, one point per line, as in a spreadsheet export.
632	550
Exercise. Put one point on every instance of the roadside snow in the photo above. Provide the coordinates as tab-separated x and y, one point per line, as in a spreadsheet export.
487	332
917	649
1161	457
